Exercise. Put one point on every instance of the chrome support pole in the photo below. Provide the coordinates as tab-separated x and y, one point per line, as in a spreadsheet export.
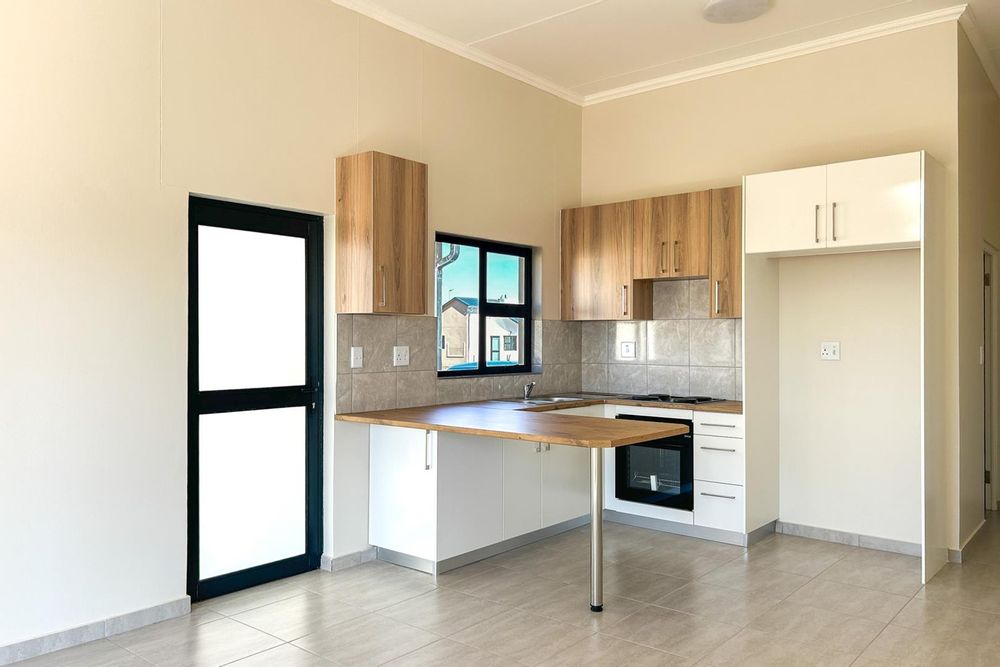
596	529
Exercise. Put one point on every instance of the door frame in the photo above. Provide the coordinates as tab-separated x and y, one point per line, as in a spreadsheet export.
230	215
991	379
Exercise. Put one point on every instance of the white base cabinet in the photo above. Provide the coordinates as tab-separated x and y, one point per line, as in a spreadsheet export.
719	506
434	495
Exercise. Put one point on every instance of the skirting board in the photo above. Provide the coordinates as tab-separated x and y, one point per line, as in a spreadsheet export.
851	539
331	564
689	530
98	630
957	555
442	566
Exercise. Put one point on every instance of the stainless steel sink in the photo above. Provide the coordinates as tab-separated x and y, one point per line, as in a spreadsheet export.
542	400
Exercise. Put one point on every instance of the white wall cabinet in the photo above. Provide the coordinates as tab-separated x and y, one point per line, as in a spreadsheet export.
871	204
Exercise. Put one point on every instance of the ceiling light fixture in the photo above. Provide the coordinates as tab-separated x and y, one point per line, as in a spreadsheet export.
734	11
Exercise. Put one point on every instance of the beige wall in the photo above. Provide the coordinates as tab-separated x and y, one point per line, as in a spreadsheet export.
889	95
104	134
979	213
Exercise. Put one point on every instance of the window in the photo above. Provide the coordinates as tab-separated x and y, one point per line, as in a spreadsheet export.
483	306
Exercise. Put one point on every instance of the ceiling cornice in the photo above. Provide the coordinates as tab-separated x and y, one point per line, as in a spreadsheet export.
968	22
813	46
392	20
953	13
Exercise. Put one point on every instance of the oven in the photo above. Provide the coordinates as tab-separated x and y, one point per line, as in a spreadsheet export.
658	472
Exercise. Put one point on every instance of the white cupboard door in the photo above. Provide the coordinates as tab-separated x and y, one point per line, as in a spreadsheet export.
522	487
785	211
874	202
402	513
565	483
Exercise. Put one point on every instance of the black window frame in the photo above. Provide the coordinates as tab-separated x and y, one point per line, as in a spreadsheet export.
521	311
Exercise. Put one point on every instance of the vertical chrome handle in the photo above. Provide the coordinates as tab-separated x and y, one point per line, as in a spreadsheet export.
624	299
427	451
548	447
676	245
381	273
538	448
717	297
833	220
816	223
663	256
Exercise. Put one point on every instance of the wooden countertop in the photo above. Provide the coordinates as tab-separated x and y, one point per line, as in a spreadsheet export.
535	423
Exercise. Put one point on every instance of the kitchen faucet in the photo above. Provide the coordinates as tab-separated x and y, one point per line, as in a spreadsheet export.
527	390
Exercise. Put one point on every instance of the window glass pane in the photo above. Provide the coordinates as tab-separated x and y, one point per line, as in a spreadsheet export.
458	306
506	337
252	476
504	278
251	309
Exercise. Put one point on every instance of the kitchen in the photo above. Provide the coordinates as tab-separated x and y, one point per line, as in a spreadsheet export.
778	423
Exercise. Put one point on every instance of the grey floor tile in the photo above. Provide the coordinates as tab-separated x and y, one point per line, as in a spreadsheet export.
509	587
897	645
443	612
948	621
205	644
605	651
780	556
571	604
718	603
673	631
851	600
448	652
368	640
877	577
101	653
522	636
824	630
641	585
760	649
258	596
300	615
745	576
285	655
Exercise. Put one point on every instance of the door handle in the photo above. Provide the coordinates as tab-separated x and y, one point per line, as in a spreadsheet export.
624	299
717	297
538	448
816	223
718	495
427	451
833	220
719	449
676	247
381	273
663	256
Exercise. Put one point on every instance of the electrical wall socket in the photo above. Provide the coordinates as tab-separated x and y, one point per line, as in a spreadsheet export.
357	357
829	351
401	355
628	349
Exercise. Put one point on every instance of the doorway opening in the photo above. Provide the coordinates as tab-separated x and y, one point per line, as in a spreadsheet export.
255	395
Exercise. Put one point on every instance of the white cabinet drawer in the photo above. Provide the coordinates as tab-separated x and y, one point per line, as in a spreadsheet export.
719	459
718	423
719	506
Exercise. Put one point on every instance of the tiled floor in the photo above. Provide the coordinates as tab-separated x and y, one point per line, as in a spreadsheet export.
669	600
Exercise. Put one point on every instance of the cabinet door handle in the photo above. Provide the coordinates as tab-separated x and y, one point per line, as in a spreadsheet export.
676	247
381	274
816	223
833	220
548	447
717	297
719	425
718	495
719	449
538	448
624	299
427	451
663	256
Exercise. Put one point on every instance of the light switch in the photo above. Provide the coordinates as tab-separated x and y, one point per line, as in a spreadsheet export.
628	349
357	357
401	355
829	351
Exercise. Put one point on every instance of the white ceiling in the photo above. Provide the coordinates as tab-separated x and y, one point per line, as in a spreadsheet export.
591	50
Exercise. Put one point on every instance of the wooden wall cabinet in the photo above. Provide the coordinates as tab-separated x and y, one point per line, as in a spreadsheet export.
597	277
671	236
381	234
725	272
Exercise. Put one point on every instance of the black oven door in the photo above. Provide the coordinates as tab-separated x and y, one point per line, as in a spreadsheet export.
658	472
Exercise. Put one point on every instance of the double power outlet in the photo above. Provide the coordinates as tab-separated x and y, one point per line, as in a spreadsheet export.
400	356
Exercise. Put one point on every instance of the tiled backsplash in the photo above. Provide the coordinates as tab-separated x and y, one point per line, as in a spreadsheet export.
680	351
379	385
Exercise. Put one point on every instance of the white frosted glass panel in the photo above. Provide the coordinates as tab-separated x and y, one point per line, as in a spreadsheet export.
252	485
251	309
